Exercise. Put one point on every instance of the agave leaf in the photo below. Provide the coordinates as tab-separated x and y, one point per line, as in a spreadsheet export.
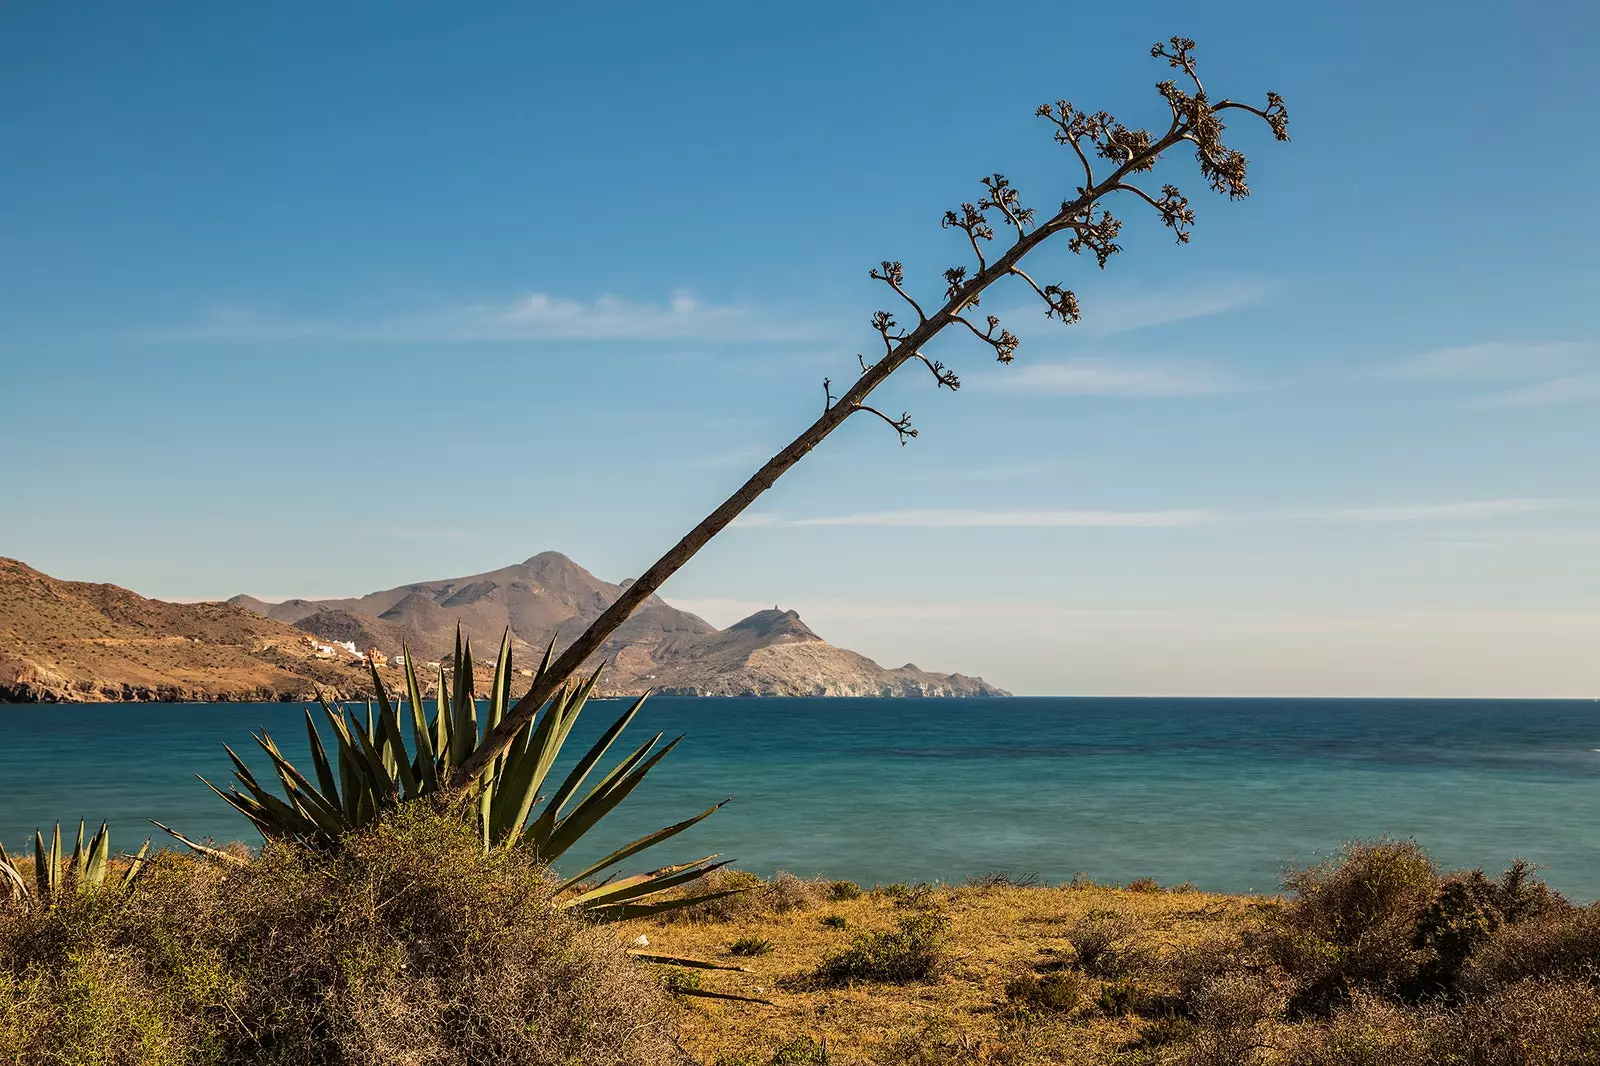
319	759
96	860
575	779
522	779
41	865
136	867
630	850
600	802
639	885
443	721
393	747
626	912
74	867
306	799
16	886
421	732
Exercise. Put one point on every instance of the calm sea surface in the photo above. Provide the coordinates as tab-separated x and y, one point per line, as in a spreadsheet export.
1218	792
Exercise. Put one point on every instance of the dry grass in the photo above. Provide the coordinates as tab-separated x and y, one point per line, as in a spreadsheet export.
1348	970
997	936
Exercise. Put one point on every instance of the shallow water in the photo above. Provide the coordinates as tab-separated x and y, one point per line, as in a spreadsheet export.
1221	792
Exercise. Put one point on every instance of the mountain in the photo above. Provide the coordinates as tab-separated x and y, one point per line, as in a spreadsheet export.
75	641
550	597
69	640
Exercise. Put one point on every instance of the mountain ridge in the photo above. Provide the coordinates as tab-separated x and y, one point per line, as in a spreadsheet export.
79	641
550	598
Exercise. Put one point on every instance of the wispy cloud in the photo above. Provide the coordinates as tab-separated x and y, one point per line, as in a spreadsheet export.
1492	360
1120	310
1464	510
1574	388
532	316
960	519
1562	372
1104	377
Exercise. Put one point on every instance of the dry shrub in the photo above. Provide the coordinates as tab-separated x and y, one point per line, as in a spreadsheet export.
1058	992
1353	922
1104	944
1531	1023
1368	1031
1228	1015
409	946
913	951
1557	944
756	897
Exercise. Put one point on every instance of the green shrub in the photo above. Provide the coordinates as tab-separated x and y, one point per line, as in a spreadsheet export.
750	946
843	890
835	921
1051	993
679	981
913	951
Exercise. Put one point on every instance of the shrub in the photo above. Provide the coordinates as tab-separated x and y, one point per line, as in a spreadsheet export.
913	951
1144	884
750	946
1555	945
1103	941
678	981
835	921
1531	1023
843	890
1228	1014
1368	1031
1052	993
802	1051
407	944
1353	922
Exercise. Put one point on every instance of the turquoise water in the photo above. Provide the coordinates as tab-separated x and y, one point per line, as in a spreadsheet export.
1218	792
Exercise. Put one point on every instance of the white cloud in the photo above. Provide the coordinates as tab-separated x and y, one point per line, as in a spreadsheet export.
971	519
1493	360
1121	310
1466	510
1575	388
531	316
1100	377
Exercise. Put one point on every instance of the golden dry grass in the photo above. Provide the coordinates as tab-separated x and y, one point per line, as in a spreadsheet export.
996	934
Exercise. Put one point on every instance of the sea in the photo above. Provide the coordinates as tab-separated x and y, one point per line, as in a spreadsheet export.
1226	794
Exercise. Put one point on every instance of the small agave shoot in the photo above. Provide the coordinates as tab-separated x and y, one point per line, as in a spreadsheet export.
56	874
370	771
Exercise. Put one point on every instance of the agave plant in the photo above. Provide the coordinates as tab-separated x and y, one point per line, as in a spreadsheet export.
55	874
370	771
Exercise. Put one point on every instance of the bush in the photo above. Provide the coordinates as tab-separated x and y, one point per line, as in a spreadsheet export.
835	921
912	952
843	890
1103	941
1559	944
1053	993
1144	884
750	946
1353	923
1531	1023
407	945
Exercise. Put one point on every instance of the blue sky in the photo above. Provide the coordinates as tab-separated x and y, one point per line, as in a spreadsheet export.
315	299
